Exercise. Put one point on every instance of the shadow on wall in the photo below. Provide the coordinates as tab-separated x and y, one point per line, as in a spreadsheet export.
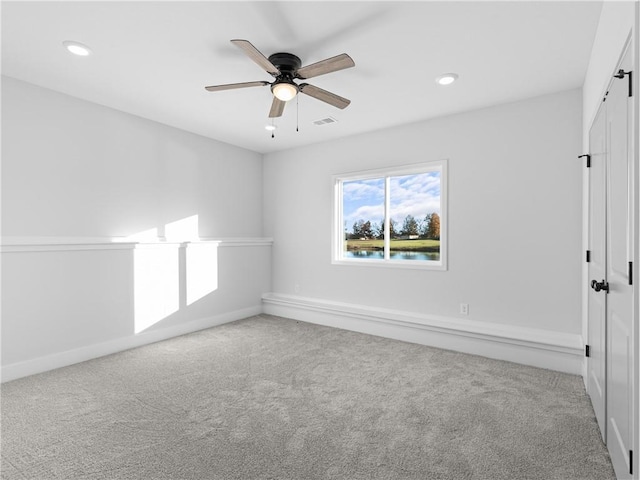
172	271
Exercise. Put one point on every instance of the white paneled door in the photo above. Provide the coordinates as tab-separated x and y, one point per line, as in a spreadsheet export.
610	365
596	363
619	254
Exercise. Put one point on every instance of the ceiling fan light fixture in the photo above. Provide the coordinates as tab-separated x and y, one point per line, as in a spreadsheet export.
77	48
284	91
446	78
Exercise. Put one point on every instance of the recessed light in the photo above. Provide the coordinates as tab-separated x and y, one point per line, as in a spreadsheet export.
77	48
446	78
271	128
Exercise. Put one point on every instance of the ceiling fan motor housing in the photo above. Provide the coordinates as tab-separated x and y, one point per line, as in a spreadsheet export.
287	63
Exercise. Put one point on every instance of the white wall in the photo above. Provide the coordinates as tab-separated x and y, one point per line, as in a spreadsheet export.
73	168
514	227
75	175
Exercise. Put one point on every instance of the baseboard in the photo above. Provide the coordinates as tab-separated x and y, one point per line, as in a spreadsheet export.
539	348
70	357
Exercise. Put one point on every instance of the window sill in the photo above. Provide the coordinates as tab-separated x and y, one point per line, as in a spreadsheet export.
415	265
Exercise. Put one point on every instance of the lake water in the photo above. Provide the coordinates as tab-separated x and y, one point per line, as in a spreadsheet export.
379	255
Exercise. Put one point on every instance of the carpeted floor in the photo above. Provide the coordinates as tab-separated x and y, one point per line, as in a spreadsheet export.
272	398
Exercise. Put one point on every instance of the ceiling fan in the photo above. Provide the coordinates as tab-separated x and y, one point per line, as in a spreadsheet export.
286	67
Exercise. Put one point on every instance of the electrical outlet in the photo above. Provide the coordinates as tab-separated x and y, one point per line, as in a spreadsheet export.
296	288
464	309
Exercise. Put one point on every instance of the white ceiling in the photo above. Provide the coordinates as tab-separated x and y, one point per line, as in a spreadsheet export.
153	59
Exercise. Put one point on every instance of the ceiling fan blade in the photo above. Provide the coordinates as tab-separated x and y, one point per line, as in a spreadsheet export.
277	107
254	54
323	95
231	86
333	64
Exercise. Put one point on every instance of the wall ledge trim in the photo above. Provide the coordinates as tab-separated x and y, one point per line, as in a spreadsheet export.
70	357
541	348
240	241
56	244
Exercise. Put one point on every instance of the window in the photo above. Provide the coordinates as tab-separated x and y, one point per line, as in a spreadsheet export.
392	217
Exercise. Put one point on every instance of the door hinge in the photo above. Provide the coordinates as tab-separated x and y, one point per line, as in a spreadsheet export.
621	73
588	256
587	352
588	159
630	273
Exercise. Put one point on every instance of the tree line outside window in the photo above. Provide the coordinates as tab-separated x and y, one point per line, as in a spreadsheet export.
425	228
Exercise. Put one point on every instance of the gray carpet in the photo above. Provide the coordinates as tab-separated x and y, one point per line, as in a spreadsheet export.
272	398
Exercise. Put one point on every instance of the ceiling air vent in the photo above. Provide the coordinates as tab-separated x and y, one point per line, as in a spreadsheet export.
324	121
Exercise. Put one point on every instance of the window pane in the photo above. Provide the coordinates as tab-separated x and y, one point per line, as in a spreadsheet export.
415	217
363	218
394	216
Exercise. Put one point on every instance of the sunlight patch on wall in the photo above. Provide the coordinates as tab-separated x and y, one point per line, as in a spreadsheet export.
183	230
202	270
156	284
150	235
171	271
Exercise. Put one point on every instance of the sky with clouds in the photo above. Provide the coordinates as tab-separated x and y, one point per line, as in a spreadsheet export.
416	195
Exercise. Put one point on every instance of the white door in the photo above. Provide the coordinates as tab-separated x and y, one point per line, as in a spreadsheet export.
596	363
619	314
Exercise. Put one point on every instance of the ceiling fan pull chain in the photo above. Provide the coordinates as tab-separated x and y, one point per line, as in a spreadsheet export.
297	112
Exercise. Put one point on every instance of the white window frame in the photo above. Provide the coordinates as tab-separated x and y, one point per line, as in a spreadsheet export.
337	230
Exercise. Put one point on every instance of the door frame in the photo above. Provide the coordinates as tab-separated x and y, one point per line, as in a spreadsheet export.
633	41
635	218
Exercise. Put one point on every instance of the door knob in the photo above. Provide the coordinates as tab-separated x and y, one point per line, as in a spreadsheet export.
597	286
